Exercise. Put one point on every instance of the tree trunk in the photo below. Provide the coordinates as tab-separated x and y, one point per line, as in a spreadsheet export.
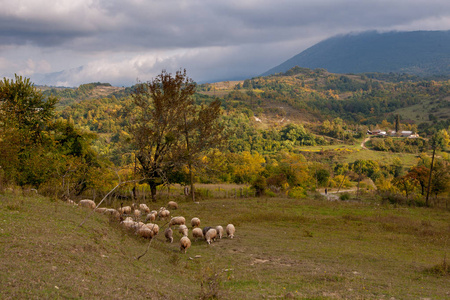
429	178
191	179
153	190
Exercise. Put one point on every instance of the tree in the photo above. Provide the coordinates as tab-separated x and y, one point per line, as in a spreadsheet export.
25	144
168	130
437	141
201	130
397	123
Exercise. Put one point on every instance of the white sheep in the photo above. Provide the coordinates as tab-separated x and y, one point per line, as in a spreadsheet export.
71	202
128	223
151	217
219	230
168	233
211	235
153	227
163	213
230	230
205	229
172	205
126	210
137	213
195	222
144	208
197	233
183	230
185	243
145	232
87	203
100	210
177	221
112	213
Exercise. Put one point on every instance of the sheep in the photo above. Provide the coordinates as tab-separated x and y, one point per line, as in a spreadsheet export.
126	210
219	230
230	230
211	235
151	217
112	213
128	223
172	205
205	229
137	213
185	243
177	221
145	232
195	222
168	233
100	210
144	208
87	203
163	213
183	230
197	233
71	202
153	227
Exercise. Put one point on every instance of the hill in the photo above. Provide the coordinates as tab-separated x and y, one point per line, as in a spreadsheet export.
305	249
424	53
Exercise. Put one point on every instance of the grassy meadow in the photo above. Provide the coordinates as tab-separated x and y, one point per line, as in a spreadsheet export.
293	248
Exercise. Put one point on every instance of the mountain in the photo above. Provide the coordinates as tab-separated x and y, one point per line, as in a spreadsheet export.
424	53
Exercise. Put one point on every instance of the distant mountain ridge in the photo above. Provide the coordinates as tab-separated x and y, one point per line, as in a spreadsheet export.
423	53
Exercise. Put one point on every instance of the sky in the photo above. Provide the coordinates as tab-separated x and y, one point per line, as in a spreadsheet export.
71	42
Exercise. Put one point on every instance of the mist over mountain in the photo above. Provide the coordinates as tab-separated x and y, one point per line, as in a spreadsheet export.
423	53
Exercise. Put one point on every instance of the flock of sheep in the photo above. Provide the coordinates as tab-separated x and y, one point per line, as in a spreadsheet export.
130	218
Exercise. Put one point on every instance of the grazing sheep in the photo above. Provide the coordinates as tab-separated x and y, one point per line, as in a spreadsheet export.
195	222
185	243
100	210
144	208
71	202
230	230
172	205
145	232
128	223
87	203
153	227
137	213
177	221
151	217
126	210
183	230
163	213
211	235
205	229
197	233
168	233
219	230
112	213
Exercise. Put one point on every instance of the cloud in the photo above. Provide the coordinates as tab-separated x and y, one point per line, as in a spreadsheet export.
120	40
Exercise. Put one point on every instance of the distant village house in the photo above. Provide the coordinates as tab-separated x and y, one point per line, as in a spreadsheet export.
404	133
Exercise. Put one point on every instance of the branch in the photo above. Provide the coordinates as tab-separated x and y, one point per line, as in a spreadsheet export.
119	184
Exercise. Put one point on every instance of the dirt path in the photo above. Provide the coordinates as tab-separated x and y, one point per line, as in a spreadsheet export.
363	144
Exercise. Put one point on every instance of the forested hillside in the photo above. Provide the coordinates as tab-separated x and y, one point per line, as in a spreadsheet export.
423	53
290	133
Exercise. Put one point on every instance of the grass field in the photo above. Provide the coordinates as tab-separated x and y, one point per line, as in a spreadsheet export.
284	248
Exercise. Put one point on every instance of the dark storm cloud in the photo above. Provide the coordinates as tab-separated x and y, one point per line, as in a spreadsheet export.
214	38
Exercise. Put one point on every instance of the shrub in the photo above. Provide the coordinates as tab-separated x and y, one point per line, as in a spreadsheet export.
344	196
297	192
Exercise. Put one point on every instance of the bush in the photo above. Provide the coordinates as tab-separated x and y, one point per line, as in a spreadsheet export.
297	192
344	196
